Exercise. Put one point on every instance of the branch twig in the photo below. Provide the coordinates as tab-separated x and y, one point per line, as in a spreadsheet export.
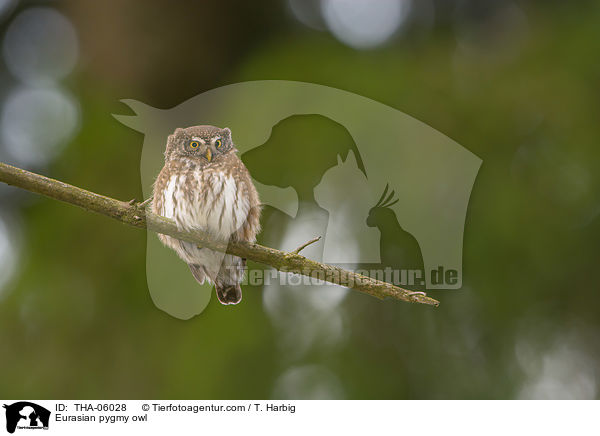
306	244
136	215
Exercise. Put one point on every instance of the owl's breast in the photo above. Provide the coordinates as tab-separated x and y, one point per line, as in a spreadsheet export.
211	201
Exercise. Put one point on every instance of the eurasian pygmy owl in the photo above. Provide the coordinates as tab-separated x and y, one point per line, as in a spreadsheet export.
205	186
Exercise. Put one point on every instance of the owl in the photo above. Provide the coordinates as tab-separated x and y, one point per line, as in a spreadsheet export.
205	186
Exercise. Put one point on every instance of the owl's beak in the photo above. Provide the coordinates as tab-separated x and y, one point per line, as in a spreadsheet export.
208	155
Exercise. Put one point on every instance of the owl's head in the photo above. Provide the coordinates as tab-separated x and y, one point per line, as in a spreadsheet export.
204	143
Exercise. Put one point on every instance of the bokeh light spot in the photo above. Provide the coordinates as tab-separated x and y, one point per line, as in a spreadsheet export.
365	24
9	252
40	46
310	382
36	123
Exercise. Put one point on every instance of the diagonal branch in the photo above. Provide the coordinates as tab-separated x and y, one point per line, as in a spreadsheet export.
136	215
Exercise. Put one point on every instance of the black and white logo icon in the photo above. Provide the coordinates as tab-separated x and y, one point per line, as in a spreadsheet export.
26	415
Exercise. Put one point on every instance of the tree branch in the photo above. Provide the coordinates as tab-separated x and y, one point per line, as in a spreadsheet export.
136	215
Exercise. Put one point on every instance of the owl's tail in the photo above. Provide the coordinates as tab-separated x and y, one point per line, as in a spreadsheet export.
198	272
229	294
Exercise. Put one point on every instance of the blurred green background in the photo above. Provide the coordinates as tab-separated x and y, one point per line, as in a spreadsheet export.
515	82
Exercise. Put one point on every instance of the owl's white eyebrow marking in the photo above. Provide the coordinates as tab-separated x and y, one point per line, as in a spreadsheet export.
212	141
196	138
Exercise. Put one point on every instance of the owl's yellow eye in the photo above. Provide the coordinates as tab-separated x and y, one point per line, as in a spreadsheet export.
218	143
194	144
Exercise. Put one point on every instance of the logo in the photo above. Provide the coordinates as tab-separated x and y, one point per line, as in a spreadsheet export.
26	415
387	193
